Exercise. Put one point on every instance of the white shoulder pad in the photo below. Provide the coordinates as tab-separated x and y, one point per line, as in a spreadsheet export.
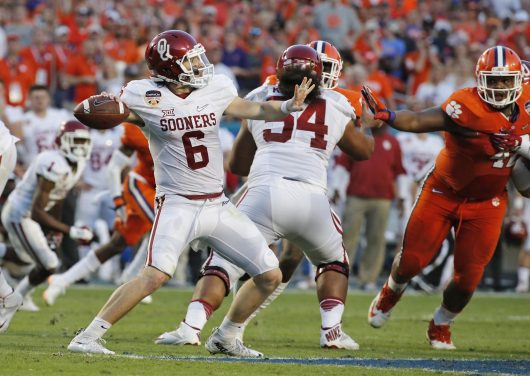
133	93
340	102
259	94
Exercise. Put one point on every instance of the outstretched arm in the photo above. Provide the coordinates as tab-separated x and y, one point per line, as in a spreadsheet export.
430	120
242	154
271	110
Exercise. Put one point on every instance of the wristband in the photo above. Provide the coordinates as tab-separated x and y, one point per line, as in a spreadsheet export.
283	107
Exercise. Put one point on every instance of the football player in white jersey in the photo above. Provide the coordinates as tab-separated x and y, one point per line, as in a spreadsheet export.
179	110
35	203
10	300
286	196
95	207
40	124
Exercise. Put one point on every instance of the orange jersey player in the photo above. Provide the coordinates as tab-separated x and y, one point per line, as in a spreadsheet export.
486	129
134	200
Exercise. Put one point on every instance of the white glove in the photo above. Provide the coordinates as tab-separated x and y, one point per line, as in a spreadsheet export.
81	234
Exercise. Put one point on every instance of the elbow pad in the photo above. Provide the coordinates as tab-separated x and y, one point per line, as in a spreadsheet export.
117	163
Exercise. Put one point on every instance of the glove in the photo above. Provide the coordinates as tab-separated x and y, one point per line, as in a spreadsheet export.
82	234
119	207
505	141
377	107
54	239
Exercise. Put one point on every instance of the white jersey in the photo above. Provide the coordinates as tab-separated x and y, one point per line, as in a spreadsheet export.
6	139
39	133
418	155
300	146
183	134
51	165
103	145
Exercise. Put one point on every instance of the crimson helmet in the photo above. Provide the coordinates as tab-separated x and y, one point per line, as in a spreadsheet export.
300	56
495	62
331	63
526	71
175	56
73	141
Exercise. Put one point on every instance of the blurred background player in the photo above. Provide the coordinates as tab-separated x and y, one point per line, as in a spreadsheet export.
10	300
95	207
31	213
286	198
133	201
484	131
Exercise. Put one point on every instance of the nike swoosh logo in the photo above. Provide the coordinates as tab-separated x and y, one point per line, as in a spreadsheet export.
436	191
99	103
2	325
200	108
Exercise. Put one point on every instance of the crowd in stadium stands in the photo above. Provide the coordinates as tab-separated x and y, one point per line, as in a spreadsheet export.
411	53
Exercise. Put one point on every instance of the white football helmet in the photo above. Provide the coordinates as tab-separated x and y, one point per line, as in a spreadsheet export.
73	140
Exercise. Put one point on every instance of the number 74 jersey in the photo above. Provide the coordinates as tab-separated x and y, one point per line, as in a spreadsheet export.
300	146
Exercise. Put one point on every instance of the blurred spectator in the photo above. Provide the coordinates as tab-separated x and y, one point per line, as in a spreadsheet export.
436	89
81	71
419	62
215	54
369	203
16	73
519	37
504	8
78	23
378	80
40	55
337	23
234	56
10	115
19	24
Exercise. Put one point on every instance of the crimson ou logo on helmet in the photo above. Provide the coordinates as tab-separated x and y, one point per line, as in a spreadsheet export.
163	49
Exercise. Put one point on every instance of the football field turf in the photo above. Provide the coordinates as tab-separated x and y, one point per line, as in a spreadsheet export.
492	337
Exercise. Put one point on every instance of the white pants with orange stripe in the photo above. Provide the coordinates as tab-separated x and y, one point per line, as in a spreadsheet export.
28	240
217	222
292	210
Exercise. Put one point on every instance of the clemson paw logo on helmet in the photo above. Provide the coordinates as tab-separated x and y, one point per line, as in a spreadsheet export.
453	109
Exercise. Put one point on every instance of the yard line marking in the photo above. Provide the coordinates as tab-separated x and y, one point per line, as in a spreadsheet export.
505	367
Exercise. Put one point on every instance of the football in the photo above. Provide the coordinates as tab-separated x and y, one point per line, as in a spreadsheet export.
101	112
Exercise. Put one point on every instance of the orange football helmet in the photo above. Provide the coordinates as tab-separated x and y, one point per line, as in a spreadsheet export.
494	64
332	63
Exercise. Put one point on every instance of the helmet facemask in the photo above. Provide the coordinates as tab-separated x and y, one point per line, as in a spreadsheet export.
76	146
331	69
506	96
197	71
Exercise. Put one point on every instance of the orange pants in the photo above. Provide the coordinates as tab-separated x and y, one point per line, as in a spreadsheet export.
139	199
477	227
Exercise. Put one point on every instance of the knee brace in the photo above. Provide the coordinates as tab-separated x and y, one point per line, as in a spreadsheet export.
218	272
336	266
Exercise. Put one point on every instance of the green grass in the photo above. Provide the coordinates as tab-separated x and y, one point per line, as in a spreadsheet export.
492	327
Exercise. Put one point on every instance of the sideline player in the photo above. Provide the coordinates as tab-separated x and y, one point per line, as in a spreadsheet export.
179	110
10	300
35	204
466	190
286	195
134	205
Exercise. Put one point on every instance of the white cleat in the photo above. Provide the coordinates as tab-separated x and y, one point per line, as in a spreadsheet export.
56	288
335	338
216	344
28	305
381	306
184	335
88	345
147	300
521	288
8	307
